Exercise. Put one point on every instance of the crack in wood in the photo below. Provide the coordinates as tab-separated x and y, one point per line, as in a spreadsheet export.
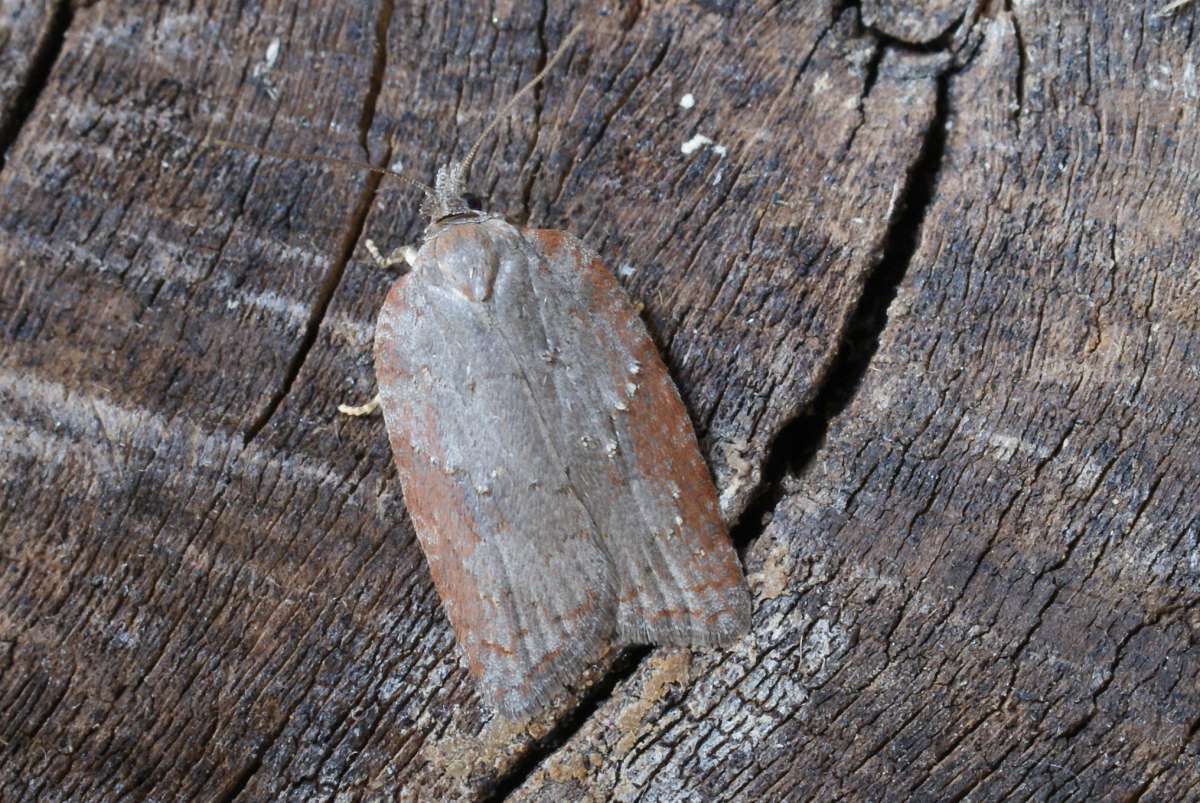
358	222
796	445
1022	65
626	663
37	78
378	70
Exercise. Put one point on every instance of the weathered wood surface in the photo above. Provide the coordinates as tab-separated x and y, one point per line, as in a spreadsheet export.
28	29
985	584
980	582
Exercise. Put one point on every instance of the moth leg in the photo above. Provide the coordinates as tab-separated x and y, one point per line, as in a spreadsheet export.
361	409
403	254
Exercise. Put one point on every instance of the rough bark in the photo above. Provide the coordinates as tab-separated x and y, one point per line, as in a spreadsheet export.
915	23
984	585
974	545
30	31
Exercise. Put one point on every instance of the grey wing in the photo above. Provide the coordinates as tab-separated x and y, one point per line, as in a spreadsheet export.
634	458
531	597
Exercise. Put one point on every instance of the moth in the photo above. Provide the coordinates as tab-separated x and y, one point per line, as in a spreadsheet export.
548	463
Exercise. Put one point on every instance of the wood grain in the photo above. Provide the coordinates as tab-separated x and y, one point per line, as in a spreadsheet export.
984	586
980	582
916	23
29	30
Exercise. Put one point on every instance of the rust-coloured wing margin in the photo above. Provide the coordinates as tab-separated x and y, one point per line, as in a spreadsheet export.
548	463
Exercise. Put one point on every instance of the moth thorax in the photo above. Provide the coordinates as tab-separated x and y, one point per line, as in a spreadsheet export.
467	256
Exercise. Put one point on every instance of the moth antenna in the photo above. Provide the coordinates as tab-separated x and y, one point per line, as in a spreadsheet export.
331	160
505	110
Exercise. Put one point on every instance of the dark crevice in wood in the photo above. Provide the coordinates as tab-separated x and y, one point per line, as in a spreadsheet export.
633	13
1140	792
378	71
872	71
51	45
839	7
313	326
626	663
754	519
872	75
1022	58
797	444
860	340
794	448
238	783
354	232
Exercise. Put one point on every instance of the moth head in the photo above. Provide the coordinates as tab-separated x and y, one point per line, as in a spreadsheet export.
449	196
